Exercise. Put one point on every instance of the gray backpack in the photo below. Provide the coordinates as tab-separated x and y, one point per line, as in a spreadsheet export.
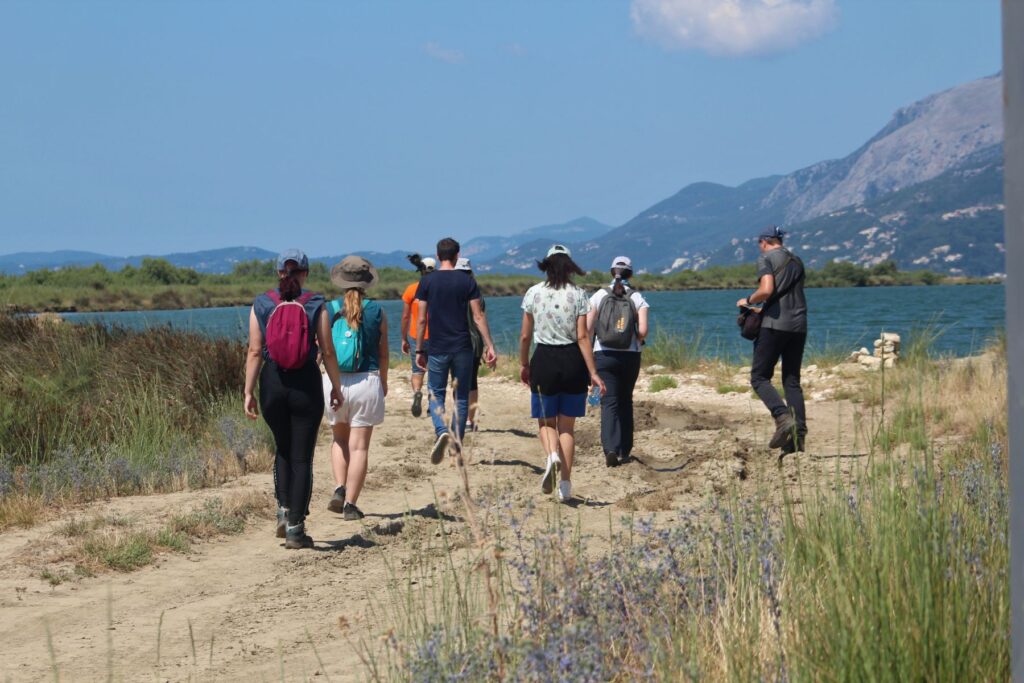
616	323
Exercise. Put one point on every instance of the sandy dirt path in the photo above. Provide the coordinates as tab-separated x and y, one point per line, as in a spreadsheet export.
253	607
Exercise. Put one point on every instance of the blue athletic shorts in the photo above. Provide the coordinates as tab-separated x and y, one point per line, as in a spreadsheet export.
570	405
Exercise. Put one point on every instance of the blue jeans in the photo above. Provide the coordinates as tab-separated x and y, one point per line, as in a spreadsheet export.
439	366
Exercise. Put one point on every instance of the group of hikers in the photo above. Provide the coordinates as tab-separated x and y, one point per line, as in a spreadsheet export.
581	344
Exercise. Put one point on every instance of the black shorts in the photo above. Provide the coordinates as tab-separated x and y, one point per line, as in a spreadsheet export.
558	370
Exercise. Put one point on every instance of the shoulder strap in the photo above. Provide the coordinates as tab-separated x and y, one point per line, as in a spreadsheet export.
334	309
274	296
779	293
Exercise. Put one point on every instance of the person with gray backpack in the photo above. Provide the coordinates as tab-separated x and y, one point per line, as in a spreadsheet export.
618	324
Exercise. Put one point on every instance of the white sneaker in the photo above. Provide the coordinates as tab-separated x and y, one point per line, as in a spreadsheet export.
564	491
547	482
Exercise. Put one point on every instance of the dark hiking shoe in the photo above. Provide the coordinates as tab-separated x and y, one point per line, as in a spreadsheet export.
282	522
440	446
352	512
794	445
337	502
625	459
784	425
611	459
295	538
417	404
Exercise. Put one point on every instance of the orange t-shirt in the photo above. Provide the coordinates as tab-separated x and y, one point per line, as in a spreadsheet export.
409	297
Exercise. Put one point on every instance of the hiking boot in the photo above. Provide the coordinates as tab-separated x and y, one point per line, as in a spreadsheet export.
794	445
295	537
611	459
547	483
337	502
352	512
784	425
282	521
440	446
417	404
564	491
625	459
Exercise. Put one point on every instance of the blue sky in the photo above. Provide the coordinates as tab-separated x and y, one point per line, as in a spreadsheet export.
154	127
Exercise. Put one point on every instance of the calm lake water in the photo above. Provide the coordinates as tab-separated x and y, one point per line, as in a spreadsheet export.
963	318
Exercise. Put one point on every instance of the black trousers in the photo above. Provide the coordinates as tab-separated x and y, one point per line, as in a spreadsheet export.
292	402
619	371
769	347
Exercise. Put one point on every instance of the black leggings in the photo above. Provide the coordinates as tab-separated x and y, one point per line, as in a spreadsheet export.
292	402
619	370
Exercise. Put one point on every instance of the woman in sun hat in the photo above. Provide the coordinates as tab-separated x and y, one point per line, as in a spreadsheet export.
285	326
562	366
364	379
618	313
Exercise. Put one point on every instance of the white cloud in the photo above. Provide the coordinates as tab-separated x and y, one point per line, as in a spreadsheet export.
733	28
444	54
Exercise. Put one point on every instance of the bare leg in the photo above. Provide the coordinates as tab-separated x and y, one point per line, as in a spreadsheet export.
417	381
548	435
340	453
472	405
359	453
567	441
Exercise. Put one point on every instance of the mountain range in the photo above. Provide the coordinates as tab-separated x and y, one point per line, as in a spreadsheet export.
926	191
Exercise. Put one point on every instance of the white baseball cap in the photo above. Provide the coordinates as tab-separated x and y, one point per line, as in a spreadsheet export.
463	264
622	262
558	249
429	263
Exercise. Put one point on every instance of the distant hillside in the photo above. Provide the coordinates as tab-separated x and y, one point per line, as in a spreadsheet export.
926	140
501	254
209	261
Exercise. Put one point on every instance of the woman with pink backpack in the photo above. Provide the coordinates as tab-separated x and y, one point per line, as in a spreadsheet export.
285	325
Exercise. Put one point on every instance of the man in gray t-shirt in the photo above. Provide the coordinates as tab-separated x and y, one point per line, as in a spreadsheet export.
780	291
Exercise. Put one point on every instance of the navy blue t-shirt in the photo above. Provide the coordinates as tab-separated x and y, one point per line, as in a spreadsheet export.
447	293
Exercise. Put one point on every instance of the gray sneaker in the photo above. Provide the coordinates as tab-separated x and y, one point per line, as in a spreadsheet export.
282	521
784	425
417	404
352	512
295	537
547	482
337	501
440	446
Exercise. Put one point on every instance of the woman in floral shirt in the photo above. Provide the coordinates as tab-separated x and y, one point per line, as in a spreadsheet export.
562	367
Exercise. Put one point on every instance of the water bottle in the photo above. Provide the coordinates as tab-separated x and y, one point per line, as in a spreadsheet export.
595	396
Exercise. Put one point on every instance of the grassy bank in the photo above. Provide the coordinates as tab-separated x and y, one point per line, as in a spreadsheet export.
899	572
88	411
159	285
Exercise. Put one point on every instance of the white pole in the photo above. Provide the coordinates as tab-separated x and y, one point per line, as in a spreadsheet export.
1013	192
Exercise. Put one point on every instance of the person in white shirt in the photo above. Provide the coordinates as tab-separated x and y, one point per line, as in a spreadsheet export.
562	366
617	322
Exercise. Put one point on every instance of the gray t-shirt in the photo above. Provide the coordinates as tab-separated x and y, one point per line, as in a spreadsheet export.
787	313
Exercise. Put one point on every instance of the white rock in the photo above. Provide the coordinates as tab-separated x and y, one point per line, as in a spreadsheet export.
654	369
891	337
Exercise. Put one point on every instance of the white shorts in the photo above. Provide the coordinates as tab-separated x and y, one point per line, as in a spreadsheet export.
362	402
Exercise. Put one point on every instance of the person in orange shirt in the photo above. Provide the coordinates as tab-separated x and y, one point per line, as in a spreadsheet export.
410	311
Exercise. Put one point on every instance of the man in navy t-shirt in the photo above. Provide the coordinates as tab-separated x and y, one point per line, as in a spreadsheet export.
444	295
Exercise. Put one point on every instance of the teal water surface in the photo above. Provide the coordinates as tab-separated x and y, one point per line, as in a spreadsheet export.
964	318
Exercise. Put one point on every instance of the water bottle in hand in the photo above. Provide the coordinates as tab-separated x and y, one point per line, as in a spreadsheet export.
595	396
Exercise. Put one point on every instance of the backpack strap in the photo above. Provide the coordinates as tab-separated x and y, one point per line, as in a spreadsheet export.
274	297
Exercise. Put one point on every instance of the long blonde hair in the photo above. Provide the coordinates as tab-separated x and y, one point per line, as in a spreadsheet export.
354	307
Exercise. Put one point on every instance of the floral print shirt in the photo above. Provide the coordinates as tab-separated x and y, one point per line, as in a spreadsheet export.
555	312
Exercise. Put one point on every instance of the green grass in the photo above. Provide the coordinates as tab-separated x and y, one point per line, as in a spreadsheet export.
897	570
662	382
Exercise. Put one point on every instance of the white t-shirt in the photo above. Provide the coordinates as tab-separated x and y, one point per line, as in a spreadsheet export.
638	300
555	312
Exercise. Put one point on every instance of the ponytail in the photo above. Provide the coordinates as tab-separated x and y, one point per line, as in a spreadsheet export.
618	289
621	275
354	308
289	286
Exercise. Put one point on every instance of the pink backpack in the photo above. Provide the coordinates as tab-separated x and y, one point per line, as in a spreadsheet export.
288	335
